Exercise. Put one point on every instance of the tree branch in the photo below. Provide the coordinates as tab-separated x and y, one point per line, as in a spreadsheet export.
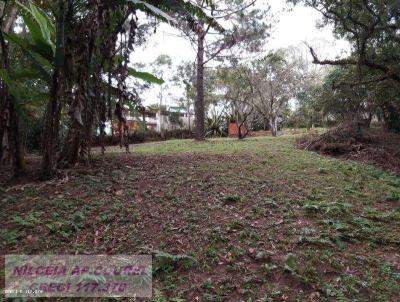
363	61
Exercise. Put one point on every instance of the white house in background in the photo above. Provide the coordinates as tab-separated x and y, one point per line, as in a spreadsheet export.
186	118
159	120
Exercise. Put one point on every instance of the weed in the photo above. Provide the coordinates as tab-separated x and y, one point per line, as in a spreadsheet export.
12	236
165	262
230	199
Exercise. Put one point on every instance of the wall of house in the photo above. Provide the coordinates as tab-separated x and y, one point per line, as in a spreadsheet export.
157	122
163	122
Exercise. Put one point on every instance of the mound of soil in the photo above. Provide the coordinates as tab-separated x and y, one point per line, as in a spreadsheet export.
352	140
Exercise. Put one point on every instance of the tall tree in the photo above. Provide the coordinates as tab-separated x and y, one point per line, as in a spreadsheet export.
186	75
11	147
243	25
372	27
238	92
161	62
274	81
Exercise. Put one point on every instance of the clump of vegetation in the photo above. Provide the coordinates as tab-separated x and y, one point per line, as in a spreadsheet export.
346	137
357	141
166	262
232	199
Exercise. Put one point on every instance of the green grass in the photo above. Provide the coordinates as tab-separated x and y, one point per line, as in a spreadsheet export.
261	219
210	146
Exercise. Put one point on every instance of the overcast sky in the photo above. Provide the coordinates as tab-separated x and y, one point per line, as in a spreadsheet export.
294	27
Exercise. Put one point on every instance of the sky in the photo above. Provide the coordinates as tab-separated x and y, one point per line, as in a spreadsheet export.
295	26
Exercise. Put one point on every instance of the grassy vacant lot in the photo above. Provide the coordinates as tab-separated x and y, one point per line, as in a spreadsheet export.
252	220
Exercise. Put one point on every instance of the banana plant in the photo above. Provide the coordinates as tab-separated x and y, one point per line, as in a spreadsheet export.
186	11
40	48
45	45
41	45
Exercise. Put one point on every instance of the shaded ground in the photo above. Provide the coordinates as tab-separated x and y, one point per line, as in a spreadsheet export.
264	221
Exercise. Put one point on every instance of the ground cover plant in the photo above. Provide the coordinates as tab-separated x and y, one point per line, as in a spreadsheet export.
226	220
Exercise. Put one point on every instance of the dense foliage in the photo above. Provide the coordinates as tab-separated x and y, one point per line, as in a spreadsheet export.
78	52
365	84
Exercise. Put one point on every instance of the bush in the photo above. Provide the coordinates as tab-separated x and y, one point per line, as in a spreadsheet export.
178	134
346	137
138	136
152	135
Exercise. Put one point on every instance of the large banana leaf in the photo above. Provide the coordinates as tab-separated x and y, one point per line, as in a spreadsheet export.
145	6
12	86
145	76
40	48
20	92
187	11
37	45
34	52
47	25
27	74
40	26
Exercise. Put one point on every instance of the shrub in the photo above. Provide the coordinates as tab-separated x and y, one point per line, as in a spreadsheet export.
138	136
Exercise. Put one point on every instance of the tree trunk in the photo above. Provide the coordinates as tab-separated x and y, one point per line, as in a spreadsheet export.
51	130
9	24
391	117
239	128
52	122
273	125
18	152
188	113
199	106
102	126
12	151
109	105
5	152
11	147
144	120
86	139
70	153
